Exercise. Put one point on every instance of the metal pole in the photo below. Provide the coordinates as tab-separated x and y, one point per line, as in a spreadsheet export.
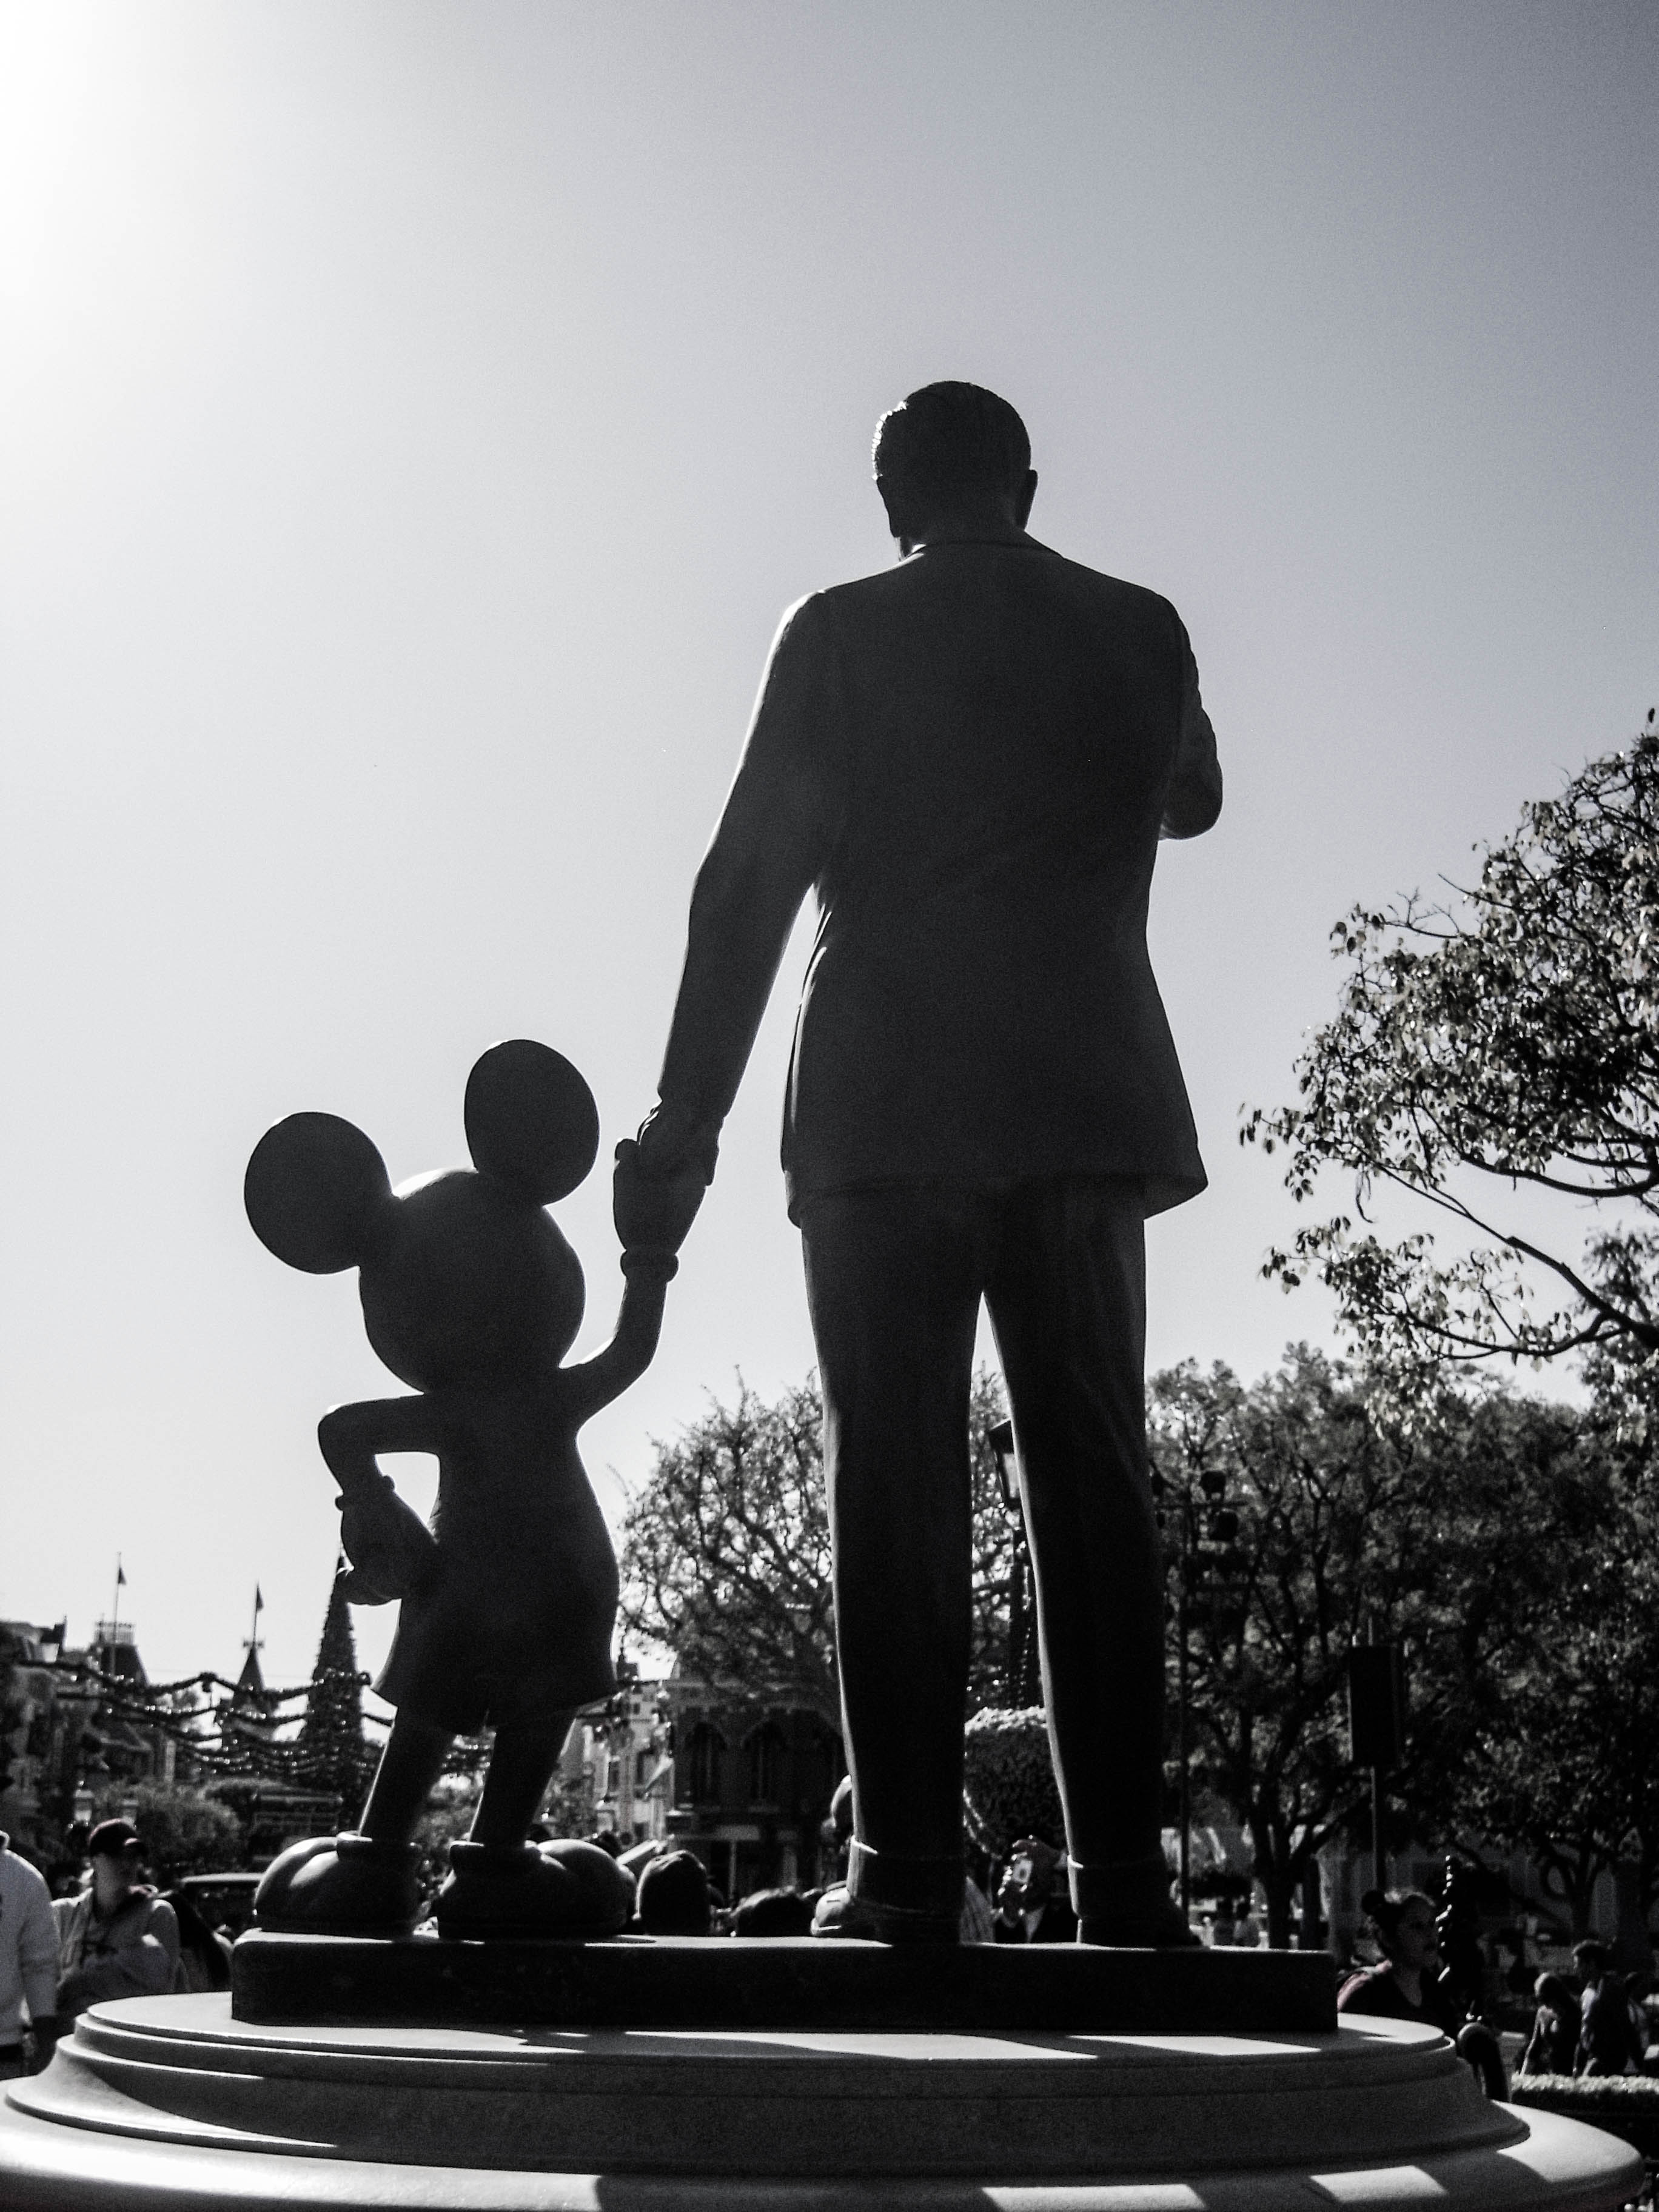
1379	1861
1186	1784
1017	1668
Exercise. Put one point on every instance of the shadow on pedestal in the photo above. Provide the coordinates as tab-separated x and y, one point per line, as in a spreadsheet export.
802	1983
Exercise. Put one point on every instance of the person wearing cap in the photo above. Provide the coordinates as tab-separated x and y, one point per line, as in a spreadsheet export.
118	1938
29	1963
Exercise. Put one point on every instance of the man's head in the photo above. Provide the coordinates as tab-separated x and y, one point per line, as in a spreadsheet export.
117	1856
673	1895
773	1912
953	457
1590	1960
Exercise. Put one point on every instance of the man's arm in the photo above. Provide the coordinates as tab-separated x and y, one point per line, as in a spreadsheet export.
147	1966
1194	801
37	1962
766	852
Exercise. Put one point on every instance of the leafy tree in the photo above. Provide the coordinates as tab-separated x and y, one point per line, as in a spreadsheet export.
1562	1760
1497	1056
183	1831
1337	1525
14	1710
725	1550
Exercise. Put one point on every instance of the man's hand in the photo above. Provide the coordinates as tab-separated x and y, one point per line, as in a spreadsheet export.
390	1548
660	1179
652	1213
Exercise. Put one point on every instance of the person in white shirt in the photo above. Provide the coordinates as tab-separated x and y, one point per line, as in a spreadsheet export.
29	1963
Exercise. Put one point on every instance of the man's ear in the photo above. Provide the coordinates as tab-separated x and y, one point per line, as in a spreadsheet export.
901	521
1023	500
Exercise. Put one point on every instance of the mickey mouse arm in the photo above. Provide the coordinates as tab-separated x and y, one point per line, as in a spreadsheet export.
390	1547
596	1381
350	1435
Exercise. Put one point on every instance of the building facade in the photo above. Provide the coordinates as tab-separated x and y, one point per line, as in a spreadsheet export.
752	1776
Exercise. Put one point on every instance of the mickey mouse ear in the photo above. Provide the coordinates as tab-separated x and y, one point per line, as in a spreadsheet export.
531	1120
313	1190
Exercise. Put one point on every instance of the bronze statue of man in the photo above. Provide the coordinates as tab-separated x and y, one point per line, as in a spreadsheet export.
970	758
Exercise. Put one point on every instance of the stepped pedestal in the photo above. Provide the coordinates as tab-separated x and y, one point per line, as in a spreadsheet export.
1122	2099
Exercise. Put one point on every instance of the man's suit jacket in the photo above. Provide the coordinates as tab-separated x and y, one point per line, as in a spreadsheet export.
971	757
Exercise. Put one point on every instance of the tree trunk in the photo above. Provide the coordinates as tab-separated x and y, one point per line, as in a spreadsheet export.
1577	1878
1633	1948
1280	1889
1312	1903
1274	1871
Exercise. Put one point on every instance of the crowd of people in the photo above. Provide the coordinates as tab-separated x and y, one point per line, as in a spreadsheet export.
675	1895
1599	2027
1592	2023
116	1936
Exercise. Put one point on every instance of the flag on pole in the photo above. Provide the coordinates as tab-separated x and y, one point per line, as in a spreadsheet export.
259	1602
120	1575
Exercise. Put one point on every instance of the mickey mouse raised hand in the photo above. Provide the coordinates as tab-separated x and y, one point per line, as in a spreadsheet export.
471	1295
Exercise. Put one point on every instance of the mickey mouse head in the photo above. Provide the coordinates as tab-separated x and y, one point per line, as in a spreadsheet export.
467	1283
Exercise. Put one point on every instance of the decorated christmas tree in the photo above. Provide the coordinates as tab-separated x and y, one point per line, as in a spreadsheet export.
332	1752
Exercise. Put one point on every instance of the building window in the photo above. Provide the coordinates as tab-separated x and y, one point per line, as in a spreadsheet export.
703	1765
766	1755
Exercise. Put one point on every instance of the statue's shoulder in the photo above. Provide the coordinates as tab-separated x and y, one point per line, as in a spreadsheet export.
1126	599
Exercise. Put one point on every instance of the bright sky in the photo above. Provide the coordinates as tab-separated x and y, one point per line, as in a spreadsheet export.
415	417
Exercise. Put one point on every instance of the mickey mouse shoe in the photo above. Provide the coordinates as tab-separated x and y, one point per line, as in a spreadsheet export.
563	1889
344	1885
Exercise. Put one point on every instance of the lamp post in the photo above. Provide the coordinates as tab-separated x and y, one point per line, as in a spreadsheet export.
1376	1727
1024	1677
1211	1571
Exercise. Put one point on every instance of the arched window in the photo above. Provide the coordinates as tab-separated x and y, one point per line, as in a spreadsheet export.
702	1765
767	1751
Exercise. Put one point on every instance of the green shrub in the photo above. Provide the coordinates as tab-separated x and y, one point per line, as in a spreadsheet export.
1624	2105
1009	1781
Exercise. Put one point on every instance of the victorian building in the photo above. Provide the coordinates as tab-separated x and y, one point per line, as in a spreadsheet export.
752	1776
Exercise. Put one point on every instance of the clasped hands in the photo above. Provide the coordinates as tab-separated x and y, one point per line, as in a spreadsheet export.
660	1177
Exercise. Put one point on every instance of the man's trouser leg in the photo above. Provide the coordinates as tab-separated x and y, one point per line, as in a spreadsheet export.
1067	1299
893	1275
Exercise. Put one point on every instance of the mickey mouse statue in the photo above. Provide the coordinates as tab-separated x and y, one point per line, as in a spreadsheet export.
471	1295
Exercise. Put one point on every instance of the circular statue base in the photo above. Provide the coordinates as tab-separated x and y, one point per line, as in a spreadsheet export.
165	2102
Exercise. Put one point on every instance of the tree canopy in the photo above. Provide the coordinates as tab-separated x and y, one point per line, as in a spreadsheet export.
1560	1756
725	1550
1510	1546
1497	1056
1340	1525
184	1831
